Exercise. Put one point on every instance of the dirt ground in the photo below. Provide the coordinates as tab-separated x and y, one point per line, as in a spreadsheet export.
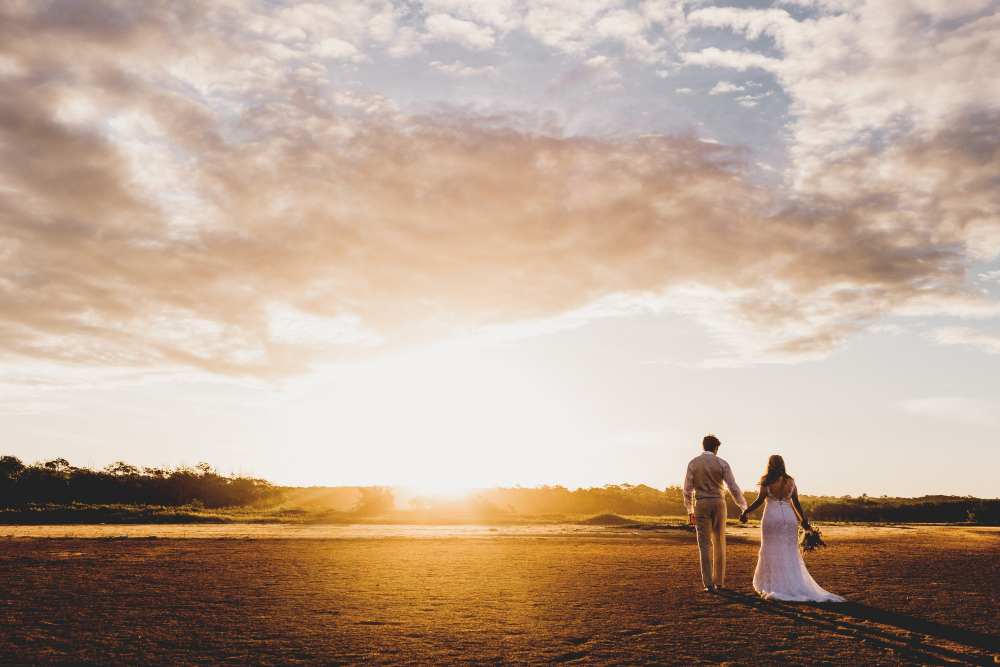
480	595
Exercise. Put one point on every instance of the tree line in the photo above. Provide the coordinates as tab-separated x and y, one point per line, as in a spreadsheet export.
627	499
58	482
927	509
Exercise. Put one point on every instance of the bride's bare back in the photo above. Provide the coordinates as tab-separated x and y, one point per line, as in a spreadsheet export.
780	489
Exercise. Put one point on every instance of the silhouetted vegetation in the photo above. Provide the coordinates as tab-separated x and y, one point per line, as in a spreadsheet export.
641	500
56	482
473	505
57	492
928	509
611	499
374	501
333	497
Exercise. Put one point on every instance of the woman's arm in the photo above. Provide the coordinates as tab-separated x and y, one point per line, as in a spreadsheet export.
798	507
757	503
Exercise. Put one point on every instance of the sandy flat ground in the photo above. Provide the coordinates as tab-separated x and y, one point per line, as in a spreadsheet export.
329	595
304	531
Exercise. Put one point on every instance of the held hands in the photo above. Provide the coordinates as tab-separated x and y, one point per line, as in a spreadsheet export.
691	516
744	516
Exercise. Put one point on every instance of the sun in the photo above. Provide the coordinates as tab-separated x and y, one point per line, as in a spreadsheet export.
442	418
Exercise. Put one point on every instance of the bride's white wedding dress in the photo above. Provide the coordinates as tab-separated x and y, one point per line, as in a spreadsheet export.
781	573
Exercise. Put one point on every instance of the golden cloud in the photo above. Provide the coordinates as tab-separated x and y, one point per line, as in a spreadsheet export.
258	226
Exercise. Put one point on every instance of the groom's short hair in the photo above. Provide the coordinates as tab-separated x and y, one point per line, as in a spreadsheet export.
710	442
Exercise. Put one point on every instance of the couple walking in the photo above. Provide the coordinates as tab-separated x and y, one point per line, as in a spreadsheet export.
781	573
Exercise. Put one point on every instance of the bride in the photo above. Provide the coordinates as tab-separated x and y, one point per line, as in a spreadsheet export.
781	573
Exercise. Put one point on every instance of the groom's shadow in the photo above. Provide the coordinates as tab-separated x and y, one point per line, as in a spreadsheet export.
903	634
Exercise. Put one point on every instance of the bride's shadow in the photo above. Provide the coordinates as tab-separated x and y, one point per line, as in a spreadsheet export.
906	635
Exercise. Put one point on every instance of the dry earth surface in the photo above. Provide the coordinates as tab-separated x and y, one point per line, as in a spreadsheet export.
280	595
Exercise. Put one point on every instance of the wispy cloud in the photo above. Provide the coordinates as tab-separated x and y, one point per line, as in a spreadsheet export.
447	27
738	60
751	100
725	87
989	277
983	341
457	69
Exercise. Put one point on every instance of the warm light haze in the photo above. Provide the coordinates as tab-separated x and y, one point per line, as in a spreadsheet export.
460	243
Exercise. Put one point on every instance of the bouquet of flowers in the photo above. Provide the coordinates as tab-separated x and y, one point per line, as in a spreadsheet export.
811	539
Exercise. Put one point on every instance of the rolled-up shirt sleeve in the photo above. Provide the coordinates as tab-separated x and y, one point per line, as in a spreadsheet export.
727	477
689	489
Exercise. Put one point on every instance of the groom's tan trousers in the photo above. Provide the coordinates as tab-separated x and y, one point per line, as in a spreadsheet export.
710	525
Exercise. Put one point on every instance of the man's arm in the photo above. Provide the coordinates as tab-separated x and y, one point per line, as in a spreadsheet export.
689	490
727	477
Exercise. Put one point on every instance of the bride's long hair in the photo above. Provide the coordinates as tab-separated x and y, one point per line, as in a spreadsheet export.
775	471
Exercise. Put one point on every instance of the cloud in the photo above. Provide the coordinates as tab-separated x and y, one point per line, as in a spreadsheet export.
457	69
567	26
576	27
629	28
980	340
467	33
500	14
738	60
336	48
177	192
324	32
854	82
989	276
725	87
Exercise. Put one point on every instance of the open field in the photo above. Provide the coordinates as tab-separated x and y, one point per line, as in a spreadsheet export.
49	515
257	594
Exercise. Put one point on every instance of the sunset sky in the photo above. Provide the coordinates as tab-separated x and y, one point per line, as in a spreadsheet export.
498	242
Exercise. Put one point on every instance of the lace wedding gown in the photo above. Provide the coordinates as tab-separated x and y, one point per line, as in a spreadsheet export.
781	573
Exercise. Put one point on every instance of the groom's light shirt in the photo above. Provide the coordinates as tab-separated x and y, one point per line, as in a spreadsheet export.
705	476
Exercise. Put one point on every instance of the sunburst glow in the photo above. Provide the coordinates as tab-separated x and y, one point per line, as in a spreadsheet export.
472	243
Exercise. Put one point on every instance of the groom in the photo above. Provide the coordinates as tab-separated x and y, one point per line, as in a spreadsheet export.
705	477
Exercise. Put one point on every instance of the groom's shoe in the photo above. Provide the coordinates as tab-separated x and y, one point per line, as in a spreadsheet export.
710	590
